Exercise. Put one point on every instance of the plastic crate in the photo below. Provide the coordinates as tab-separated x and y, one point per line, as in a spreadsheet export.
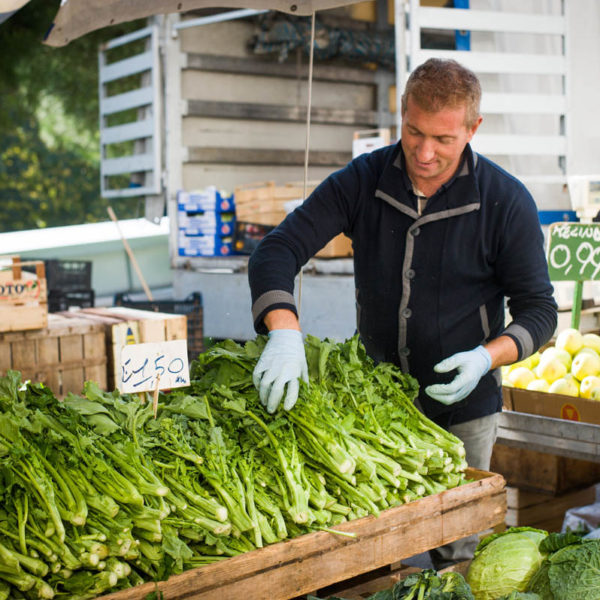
191	307
61	300
68	275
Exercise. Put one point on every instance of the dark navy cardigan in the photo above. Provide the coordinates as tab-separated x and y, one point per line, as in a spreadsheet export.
427	286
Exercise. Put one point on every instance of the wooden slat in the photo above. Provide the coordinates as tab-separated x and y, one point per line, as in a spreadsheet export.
486	20
496	62
231	64
251	156
536	104
277	112
295	567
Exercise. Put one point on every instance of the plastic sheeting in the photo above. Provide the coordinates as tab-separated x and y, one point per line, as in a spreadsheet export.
283	35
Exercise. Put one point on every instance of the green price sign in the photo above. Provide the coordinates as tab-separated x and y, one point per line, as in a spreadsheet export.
574	251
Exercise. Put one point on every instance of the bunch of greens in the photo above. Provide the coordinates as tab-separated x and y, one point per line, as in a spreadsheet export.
96	494
505	562
571	570
426	585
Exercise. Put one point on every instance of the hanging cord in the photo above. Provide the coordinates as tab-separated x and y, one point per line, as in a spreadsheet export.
307	146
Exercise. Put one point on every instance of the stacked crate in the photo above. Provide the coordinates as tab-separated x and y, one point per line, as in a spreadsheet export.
542	487
23	295
262	206
206	223
63	354
69	284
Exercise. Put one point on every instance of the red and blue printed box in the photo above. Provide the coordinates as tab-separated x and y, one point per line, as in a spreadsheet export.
209	199
204	245
206	223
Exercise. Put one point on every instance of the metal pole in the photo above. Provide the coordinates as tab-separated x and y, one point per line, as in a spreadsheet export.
400	43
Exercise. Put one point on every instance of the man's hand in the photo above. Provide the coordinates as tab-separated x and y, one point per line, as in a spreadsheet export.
471	367
281	363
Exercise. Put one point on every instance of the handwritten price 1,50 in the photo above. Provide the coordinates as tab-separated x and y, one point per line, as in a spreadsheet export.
152	366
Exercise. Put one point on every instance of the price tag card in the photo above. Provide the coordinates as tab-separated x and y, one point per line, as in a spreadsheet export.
155	365
574	251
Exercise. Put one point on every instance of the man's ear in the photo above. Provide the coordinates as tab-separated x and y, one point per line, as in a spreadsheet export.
475	127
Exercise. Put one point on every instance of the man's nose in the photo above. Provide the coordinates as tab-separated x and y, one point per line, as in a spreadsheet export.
425	150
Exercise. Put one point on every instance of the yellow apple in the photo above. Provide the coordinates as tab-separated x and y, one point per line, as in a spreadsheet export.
588	350
520	377
567	385
530	362
570	340
551	369
585	364
538	385
591	340
554	352
588	385
595	394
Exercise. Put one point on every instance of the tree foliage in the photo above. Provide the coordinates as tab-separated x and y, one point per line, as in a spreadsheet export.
49	149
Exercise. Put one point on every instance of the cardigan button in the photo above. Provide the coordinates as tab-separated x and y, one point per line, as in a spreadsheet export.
407	313
404	351
416	231
409	274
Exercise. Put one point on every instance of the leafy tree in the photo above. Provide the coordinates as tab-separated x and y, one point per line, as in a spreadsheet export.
49	149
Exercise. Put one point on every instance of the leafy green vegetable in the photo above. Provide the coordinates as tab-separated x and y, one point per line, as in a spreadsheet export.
520	596
426	585
570	573
97	495
505	562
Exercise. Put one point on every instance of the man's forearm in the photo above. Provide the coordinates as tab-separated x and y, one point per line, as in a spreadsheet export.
281	318
503	351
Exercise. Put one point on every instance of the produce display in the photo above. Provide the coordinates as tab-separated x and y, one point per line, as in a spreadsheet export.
520	563
98	493
571	367
525	563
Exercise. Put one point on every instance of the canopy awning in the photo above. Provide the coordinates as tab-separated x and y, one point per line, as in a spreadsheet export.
78	17
10	7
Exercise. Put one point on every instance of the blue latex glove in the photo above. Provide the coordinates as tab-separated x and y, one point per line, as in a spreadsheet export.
282	363
471	366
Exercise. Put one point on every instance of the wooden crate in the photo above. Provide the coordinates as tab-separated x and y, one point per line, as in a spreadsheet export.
122	326
63	355
541	472
264	204
313	561
23	296
543	511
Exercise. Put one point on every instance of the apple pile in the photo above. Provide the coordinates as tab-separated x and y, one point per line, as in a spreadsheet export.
570	367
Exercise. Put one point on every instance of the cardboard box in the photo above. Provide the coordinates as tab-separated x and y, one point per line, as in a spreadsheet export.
207	199
204	245
552	405
206	223
23	296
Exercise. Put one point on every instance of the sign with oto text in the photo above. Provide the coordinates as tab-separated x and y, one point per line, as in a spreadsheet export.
152	366
574	251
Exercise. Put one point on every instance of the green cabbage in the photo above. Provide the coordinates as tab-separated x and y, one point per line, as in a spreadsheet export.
505	562
570	573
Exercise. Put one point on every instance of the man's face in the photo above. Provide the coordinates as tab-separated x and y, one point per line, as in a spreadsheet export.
433	143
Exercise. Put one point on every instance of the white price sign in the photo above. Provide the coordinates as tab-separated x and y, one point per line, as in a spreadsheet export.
153	366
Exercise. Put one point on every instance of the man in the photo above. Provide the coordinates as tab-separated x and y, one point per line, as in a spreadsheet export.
441	235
